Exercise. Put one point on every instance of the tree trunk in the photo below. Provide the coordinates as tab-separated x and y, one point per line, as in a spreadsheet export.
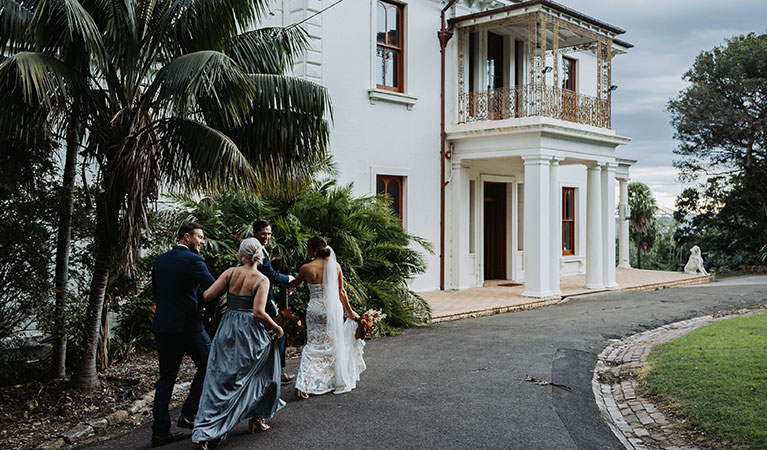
86	376
102	350
58	364
639	257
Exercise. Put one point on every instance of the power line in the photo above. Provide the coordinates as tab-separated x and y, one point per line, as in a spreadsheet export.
315	14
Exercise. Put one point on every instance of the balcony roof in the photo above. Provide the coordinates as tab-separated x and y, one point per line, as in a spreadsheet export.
547	3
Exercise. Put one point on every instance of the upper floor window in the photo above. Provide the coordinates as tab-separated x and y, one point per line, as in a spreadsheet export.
568	73
391	186
389	46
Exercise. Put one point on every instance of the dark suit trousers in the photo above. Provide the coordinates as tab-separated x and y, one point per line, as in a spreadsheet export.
281	344
170	351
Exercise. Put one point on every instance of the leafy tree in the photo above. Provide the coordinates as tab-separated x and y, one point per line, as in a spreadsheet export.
172	95
720	118
721	124
643	228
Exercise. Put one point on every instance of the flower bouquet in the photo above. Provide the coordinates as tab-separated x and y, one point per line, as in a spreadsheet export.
367	322
291	325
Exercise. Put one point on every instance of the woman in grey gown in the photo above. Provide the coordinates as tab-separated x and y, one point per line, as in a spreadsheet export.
243	377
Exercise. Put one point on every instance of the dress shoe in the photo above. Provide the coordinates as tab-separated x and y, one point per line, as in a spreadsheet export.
162	439
183	422
286	378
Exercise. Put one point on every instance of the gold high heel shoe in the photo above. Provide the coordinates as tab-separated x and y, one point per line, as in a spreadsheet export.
257	424
199	445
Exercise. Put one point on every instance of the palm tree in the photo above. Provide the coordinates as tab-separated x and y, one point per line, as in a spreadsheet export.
643	208
173	95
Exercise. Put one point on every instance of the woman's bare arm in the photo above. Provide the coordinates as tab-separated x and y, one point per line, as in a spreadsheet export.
218	287
345	298
259	311
300	278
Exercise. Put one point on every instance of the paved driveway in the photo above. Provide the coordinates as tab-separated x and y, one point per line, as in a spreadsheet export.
459	385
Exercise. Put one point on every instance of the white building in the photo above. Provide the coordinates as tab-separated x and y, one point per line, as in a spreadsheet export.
530	164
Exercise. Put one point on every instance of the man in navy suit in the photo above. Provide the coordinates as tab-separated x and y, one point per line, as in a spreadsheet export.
262	230
176	277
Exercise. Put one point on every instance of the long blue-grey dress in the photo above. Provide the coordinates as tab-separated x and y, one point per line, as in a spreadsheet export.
243	377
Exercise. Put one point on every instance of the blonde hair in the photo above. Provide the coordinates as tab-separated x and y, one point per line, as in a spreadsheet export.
252	250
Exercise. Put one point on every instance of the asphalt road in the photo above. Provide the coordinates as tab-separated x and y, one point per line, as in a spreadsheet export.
459	385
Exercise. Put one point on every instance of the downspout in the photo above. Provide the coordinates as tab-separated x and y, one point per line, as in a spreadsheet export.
444	35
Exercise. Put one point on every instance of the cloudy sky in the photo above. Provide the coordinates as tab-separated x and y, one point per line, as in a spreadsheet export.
667	36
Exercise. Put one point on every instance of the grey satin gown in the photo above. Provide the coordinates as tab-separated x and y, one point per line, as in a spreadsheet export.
243	377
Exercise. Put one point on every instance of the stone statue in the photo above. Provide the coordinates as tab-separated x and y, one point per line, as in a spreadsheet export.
695	263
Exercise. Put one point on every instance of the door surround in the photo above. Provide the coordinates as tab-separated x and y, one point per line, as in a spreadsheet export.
511	226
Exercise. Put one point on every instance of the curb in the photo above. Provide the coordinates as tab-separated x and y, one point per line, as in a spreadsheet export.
83	431
548	301
496	310
634	419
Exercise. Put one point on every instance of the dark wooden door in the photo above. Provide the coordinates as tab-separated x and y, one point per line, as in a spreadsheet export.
495	231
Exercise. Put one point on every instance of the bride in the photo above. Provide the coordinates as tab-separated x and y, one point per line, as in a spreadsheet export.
332	358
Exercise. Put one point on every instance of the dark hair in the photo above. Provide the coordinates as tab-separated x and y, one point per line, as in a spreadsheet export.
319	244
260	224
187	227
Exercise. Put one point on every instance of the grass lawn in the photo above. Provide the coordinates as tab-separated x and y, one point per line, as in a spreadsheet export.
716	378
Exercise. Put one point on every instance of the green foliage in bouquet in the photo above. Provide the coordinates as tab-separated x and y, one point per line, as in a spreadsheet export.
375	252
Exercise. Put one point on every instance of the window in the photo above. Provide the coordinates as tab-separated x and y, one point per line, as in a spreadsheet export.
392	186
568	221
390	46
568	73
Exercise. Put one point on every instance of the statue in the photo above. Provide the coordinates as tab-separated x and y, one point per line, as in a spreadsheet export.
695	263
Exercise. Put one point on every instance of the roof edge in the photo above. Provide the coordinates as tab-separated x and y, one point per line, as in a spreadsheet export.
550	4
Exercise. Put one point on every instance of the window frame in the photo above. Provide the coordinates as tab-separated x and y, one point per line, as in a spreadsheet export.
401	182
401	48
574	74
568	223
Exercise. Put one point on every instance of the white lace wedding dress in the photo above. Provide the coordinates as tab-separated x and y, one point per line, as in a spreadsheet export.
332	358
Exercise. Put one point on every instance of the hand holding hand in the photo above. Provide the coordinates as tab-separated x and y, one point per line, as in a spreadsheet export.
291	278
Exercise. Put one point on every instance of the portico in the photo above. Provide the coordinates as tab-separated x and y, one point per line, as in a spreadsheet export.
533	168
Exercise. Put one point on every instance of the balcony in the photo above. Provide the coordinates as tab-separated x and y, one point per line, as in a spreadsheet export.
534	58
533	100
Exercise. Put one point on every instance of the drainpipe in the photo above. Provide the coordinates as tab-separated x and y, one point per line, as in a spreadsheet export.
444	35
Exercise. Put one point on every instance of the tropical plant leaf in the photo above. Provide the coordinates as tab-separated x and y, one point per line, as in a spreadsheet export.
268	50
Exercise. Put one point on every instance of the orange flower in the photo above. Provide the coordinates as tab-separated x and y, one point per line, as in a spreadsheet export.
154	307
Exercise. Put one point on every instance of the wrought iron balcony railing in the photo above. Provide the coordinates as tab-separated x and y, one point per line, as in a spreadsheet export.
533	100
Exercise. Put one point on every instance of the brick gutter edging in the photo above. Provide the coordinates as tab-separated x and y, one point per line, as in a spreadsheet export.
632	418
83	431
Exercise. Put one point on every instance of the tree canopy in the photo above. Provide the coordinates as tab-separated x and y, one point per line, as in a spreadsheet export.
721	117
721	125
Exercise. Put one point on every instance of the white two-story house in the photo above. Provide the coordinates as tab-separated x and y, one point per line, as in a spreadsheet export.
524	189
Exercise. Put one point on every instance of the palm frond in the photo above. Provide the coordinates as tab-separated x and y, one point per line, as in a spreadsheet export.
43	79
197	157
207	79
15	17
268	50
292	151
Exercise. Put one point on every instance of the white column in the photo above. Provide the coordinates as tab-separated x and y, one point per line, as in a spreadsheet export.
623	231
459	224
594	276
608	225
536	223
556	226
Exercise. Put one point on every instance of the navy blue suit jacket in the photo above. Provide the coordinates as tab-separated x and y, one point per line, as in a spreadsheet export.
274	277
176	277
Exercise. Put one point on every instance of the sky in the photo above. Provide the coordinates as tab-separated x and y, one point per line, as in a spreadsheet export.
667	36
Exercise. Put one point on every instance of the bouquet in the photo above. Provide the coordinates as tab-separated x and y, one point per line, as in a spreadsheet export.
367	322
291	325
